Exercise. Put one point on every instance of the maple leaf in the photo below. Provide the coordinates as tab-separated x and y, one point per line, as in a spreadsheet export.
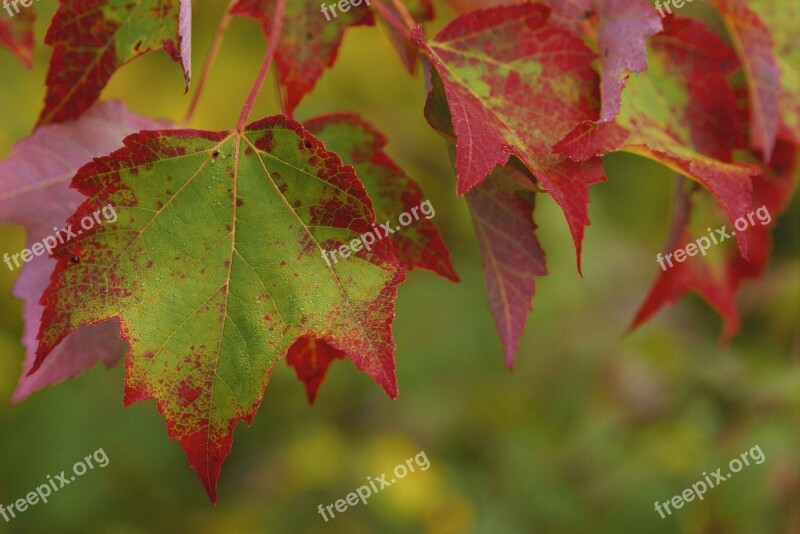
308	43
682	113
419	11
392	192
311	358
718	280
503	217
515	85
215	269
16	34
91	39
753	41
617	29
34	192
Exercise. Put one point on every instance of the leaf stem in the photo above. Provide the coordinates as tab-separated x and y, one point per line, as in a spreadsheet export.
392	19
404	14
681	211
275	33
210	59
282	97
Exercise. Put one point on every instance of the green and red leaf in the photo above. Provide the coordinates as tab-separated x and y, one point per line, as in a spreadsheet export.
617	30
682	113
308	42
391	190
515	85
215	269
91	39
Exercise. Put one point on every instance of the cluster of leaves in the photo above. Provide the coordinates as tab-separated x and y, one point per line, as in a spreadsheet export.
528	96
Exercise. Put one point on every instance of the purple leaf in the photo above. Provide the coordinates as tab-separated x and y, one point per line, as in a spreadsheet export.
34	193
185	37
512	256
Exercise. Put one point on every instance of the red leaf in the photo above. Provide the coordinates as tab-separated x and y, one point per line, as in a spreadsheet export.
515	85
781	18
720	287
463	6
512	256
682	113
753	40
308	43
16	34
311	358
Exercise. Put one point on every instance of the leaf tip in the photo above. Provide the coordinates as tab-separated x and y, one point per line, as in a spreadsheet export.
509	360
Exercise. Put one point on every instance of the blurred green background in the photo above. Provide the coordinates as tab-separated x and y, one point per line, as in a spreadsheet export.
585	435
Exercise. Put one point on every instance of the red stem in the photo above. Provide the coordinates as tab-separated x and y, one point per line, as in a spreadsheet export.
212	56
391	19
404	14
275	32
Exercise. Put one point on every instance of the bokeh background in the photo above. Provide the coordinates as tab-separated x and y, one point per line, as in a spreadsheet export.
590	429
